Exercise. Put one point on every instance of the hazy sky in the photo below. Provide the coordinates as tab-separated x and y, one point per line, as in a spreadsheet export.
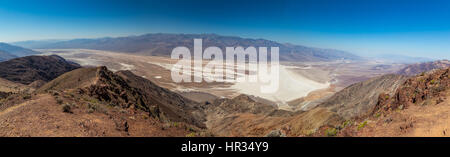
364	27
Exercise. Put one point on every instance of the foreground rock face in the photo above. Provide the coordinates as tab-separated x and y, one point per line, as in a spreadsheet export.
417	90
418	107
28	69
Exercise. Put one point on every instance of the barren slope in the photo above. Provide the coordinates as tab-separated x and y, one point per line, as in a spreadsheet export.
28	69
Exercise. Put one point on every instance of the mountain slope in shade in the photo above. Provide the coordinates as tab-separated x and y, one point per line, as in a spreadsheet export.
16	50
6	56
418	68
26	70
163	44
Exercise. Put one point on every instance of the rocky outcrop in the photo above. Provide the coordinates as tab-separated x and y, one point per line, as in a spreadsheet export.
417	90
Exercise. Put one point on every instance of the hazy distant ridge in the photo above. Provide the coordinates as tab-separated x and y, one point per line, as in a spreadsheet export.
8	51
162	45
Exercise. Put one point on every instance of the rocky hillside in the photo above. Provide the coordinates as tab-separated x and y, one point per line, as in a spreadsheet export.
163	44
98	102
126	90
26	70
244	116
418	107
359	98
418	68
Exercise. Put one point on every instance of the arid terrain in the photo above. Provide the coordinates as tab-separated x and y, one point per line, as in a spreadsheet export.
86	92
306	76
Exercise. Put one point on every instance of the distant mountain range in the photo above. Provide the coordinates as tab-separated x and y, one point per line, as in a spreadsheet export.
401	59
8	51
417	68
162	45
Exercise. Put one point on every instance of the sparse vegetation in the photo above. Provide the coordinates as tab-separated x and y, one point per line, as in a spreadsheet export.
347	122
331	132
362	125
59	101
377	115
67	108
96	107
26	96
192	134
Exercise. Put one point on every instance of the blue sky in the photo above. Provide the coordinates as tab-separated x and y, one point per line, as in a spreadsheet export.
365	27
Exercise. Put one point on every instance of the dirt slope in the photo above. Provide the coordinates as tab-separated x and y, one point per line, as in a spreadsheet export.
44	117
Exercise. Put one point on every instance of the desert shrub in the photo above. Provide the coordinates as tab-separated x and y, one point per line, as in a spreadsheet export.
96	107
67	108
331	132
346	123
378	114
362	125
433	81
54	93
190	134
26	96
59	101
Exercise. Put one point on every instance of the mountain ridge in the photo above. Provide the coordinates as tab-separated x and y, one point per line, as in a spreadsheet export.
417	68
8	51
162	44
26	70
